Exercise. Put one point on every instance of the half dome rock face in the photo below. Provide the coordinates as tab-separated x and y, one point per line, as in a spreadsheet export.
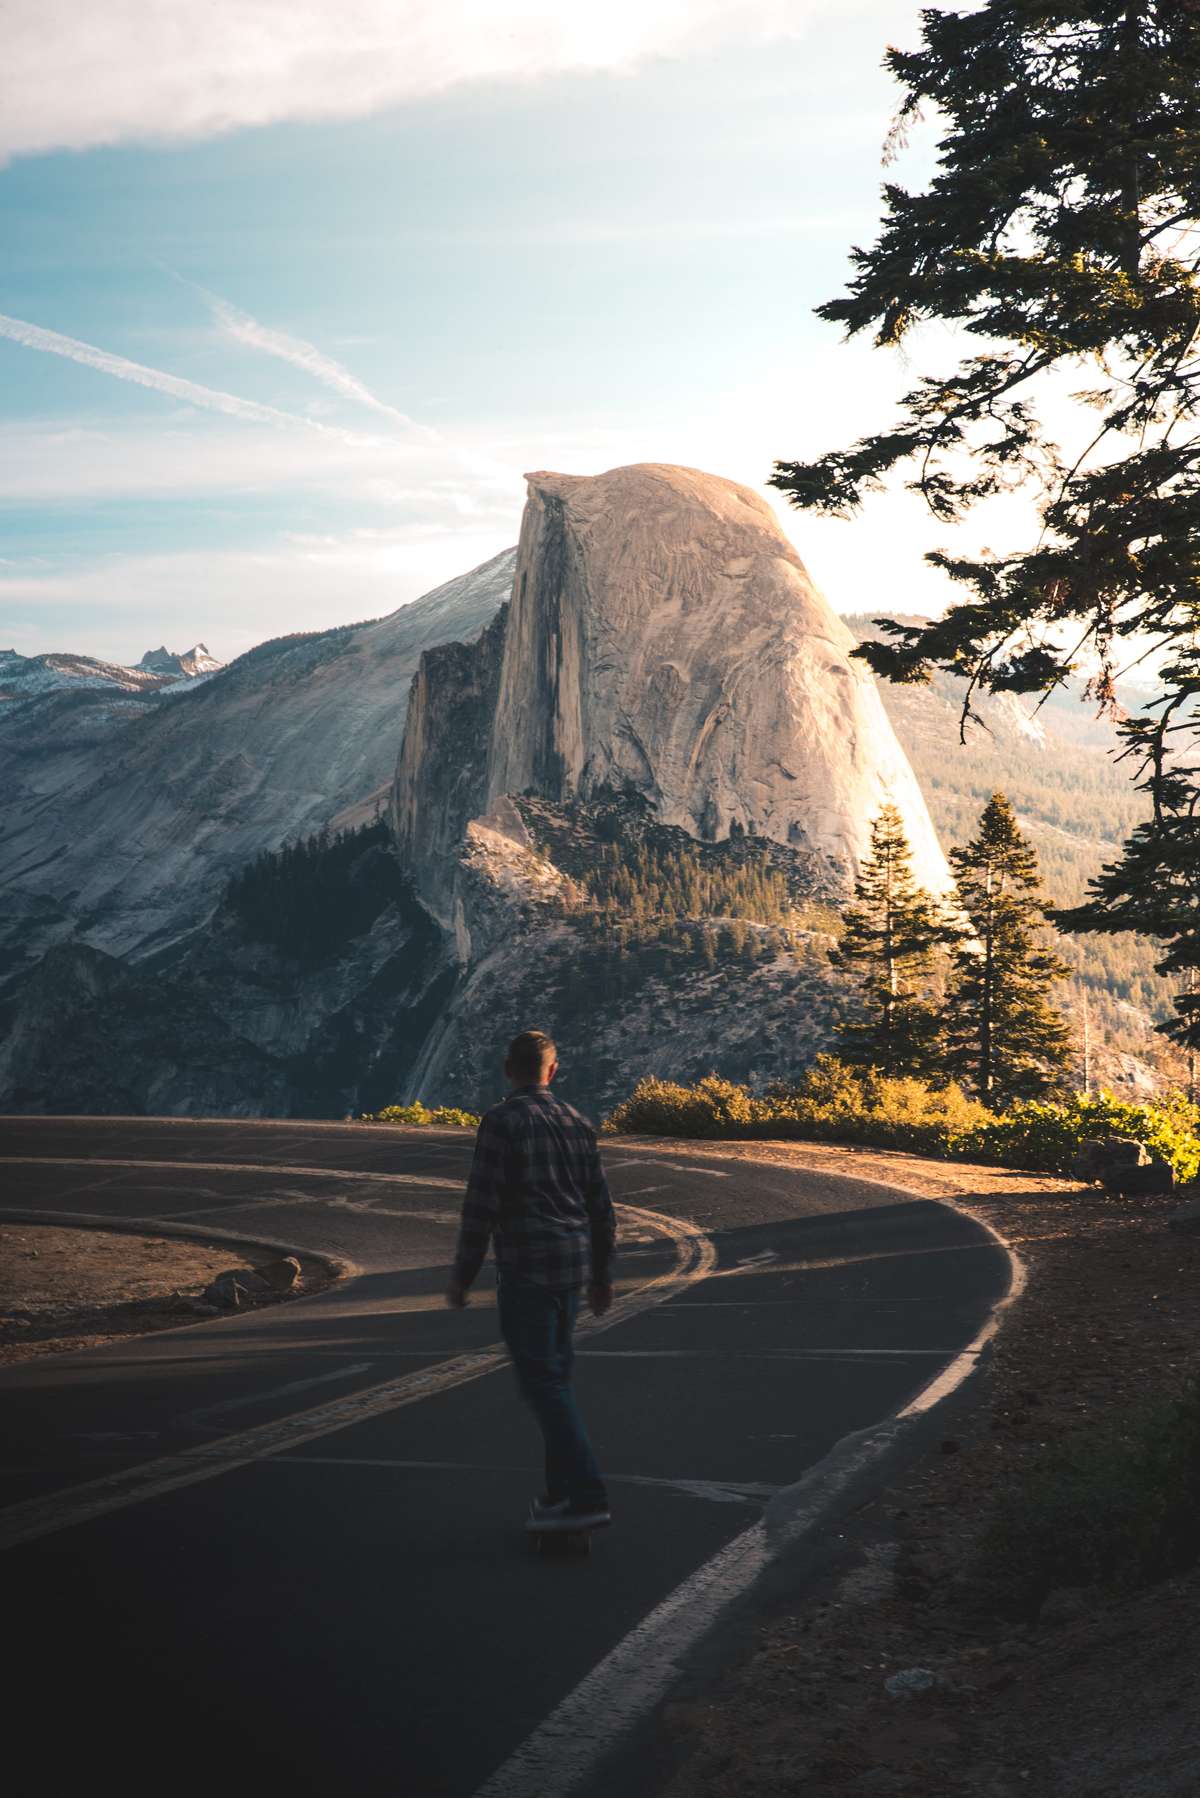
663	635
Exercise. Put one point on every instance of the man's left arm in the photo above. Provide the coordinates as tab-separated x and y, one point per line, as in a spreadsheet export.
602	1222
481	1209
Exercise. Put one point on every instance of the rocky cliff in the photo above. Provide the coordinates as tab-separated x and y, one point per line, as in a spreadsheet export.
664	657
663	637
309	993
637	773
125	814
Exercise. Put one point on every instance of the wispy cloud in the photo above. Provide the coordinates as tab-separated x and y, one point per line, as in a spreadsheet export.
382	461
244	329
212	399
142	457
74	76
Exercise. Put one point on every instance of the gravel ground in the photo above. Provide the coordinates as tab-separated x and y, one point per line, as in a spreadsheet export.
63	1290
1096	1698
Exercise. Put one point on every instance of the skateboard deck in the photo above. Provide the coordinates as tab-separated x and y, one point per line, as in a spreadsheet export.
570	1545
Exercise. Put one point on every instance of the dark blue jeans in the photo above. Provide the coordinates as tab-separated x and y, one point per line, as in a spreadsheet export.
538	1325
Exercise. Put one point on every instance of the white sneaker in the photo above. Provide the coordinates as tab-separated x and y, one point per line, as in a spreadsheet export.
565	1519
541	1509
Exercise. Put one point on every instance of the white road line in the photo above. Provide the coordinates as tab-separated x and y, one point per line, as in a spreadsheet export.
676	1167
958	1370
943	1384
810	1300
627	1683
367	1207
625	1686
766	1354
264	1169
200	1418
695	1258
823	1263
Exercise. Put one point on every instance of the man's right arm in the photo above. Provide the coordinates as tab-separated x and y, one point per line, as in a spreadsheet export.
481	1205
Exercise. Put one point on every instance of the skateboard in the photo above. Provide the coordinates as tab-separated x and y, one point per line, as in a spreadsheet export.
562	1544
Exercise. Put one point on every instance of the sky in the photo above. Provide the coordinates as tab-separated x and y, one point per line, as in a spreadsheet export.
293	292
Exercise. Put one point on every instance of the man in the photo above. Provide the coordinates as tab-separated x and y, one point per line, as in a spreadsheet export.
537	1187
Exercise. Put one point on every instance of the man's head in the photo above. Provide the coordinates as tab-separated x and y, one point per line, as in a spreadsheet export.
532	1059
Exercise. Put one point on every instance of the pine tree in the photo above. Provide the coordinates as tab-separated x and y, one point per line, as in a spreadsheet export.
891	933
1155	889
1059	236
1013	1042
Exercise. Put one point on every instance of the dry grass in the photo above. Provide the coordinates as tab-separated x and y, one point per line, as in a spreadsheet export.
66	1289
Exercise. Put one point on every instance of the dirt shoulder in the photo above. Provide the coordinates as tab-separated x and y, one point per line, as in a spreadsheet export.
63	1289
1095	1698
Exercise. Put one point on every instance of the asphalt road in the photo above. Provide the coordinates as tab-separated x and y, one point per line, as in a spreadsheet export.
285	1551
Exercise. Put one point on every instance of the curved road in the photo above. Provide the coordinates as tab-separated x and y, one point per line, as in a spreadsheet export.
284	1551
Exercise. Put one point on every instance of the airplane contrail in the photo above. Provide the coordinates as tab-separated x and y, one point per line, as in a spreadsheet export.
54	343
304	355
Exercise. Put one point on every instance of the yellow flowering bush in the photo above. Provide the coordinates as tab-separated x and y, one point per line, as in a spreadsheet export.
443	1115
833	1101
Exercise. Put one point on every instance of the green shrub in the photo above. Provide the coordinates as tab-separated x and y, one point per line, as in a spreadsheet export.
1117	1504
836	1102
1045	1136
831	1101
713	1107
422	1114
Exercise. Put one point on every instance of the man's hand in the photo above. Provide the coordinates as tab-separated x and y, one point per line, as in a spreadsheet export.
600	1297
456	1296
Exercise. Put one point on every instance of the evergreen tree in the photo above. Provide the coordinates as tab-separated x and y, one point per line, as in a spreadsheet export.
890	935
1061	234
1155	889
998	1013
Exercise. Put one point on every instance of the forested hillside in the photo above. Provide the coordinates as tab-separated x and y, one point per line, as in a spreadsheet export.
1075	802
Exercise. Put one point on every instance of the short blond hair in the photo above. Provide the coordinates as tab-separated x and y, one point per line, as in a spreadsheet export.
530	1054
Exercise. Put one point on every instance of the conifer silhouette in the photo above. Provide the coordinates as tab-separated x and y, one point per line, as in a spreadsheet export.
891	935
1000	1026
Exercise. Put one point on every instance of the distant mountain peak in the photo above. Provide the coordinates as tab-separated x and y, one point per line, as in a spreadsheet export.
191	662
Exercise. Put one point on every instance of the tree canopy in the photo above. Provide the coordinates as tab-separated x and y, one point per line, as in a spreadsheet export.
1059	237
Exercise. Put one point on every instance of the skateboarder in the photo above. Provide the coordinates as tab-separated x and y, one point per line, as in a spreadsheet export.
537	1187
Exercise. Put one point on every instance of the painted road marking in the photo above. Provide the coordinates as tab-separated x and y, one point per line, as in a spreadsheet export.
811	1300
627	1683
637	1674
280	1201
200	1418
262	1168
808	1354
695	1258
676	1167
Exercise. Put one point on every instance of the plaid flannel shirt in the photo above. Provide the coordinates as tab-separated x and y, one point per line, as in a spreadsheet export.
536	1185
